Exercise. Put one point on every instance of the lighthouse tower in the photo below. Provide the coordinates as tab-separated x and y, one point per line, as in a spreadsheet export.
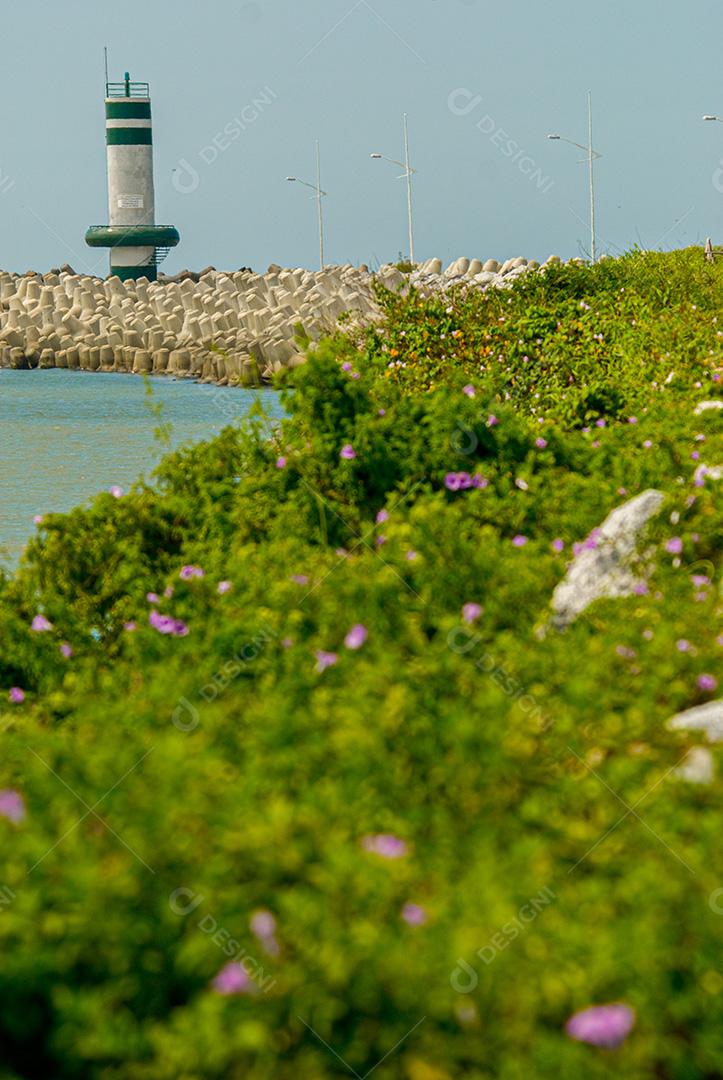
137	245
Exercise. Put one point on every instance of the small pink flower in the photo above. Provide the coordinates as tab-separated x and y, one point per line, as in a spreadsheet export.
558	545
540	443
380	540
40	624
281	463
682	645
348	453
411	555
129	627
519	541
602	1025
16	695
356	637
695	455
479	481
116	492
168	592
12	806
492	420
385	845
632	419
414	915
66	650
600	423
647	444
625	652
346	366
224	587
471	612
232	979
153	598
188	572
381	412
707	682
382	516
38	519
468	390
699	476
324	660
299	579
674	546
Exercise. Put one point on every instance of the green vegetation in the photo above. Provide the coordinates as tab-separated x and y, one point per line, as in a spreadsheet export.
186	779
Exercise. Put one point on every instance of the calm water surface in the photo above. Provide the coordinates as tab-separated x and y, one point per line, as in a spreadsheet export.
66	435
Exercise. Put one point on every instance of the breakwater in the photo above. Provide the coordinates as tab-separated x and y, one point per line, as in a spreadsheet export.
228	328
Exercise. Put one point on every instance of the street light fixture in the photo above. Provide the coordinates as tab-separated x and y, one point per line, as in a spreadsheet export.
406	175
318	195
592	157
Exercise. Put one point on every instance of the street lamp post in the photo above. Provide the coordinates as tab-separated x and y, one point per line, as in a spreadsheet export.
318	195
592	156
406	175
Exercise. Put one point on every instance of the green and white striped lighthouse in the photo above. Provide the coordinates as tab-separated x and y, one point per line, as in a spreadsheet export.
137	245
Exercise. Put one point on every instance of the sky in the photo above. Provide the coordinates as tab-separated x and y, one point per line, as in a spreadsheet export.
482	83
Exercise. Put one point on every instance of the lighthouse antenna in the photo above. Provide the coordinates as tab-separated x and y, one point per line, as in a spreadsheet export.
105	54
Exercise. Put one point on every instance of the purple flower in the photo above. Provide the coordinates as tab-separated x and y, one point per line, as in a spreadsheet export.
165	624
232	979
116	492
471	612
479	481
16	695
299	579
640	588
465	480
12	806
153	598
519	540
168	592
188	572
382	516
600	423
625	652
558	545
602	1025
382	412
66	650
414	915
129	627
40	624
224	587
492	420
682	645
38	519
707	682
468	390
699	475
451	481
540	443
324	660
263	925
411	555
647	444
281	463
386	845
632	419
674	546
356	637
346	366
348	452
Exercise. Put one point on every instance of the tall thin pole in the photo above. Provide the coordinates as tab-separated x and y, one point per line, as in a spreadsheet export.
105	52
319	195
591	162
409	189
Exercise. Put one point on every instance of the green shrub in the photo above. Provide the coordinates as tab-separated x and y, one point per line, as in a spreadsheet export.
178	784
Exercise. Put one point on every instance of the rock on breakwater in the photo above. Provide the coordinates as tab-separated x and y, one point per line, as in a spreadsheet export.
222	327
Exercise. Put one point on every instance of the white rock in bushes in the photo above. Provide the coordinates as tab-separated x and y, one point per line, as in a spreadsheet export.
707	718
604	571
